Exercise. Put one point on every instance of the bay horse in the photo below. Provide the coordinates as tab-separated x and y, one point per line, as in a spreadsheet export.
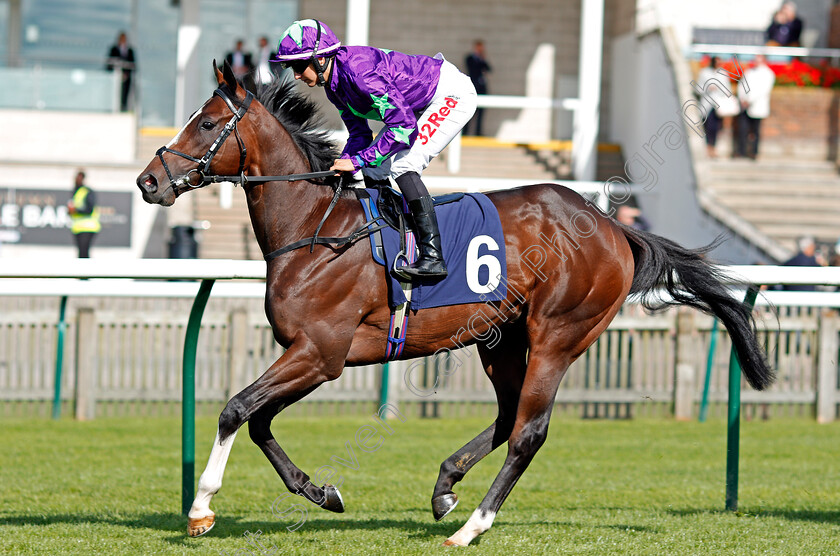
569	267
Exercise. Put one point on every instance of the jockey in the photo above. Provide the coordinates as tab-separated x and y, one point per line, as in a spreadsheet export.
423	103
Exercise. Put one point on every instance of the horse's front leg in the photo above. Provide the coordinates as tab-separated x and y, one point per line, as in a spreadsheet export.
299	371
259	427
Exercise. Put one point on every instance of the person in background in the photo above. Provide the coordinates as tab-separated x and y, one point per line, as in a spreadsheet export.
755	106
712	96
632	216
835	255
240	61
477	66
121	57
264	54
786	27
806	256
84	216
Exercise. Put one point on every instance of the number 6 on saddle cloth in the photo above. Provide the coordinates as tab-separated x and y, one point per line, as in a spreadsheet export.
473	247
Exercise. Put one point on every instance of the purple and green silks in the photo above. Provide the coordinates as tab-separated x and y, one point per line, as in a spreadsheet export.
373	84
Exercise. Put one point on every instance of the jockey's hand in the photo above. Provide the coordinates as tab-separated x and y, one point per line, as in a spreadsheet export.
343	165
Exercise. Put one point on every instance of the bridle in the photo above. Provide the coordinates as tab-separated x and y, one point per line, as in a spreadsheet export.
202	171
205	178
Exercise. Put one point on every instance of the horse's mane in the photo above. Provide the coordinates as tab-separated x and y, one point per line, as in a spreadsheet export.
302	119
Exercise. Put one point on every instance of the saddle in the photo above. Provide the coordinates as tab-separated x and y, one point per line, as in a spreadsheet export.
392	207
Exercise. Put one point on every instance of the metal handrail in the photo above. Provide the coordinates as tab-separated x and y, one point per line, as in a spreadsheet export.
792	51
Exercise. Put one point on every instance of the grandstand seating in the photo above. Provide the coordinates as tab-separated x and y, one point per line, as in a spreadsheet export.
781	197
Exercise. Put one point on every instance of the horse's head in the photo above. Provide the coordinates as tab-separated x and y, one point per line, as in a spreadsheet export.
185	163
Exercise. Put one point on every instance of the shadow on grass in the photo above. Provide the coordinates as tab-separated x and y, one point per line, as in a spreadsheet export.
173	525
629	528
160	521
230	525
813	516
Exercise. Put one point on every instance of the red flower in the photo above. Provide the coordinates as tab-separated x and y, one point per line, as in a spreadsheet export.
800	74
796	73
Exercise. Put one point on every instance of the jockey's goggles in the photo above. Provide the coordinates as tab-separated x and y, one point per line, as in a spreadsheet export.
297	66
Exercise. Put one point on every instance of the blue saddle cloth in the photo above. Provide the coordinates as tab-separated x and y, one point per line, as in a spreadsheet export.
473	247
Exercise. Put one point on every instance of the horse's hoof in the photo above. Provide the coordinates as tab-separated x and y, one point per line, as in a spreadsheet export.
199	526
450	542
443	504
332	499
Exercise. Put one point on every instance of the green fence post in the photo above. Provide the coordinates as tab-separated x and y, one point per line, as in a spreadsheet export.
59	357
383	387
704	403
188	396
733	433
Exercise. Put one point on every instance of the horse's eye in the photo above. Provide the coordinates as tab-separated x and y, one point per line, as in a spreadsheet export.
208	125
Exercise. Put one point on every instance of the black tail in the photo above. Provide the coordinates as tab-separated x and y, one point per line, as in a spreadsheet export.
693	281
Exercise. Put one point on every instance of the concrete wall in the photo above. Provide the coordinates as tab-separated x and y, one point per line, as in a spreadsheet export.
80	137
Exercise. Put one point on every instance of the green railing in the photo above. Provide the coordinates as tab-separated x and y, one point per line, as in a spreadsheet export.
83	274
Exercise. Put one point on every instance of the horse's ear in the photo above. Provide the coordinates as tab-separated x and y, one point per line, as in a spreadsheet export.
219	76
228	77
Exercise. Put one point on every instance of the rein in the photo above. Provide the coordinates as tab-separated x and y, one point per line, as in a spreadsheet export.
244	180
363	231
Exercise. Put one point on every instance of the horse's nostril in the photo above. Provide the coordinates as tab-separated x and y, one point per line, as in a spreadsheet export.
148	183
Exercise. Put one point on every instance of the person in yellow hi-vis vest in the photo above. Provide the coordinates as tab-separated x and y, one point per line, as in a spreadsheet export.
84	215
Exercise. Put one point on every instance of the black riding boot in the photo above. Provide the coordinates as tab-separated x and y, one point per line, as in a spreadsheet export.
430	264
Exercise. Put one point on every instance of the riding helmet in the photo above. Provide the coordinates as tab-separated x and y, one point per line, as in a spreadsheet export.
306	38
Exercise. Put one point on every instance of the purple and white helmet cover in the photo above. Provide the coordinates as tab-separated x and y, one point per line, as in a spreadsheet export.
299	41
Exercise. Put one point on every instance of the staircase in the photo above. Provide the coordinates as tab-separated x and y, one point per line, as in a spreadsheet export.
780	197
229	235
483	159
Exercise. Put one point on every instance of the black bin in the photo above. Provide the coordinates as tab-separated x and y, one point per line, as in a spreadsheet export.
182	244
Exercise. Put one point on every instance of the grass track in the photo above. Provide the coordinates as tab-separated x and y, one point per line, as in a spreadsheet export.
111	486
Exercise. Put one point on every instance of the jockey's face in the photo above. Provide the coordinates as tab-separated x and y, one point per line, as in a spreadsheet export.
310	76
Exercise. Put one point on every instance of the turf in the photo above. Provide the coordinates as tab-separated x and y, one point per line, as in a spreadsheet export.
112	486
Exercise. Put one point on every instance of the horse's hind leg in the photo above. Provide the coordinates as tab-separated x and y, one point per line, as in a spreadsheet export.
259	428
505	364
529	433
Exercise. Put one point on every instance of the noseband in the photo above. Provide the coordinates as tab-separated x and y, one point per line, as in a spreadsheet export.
203	169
